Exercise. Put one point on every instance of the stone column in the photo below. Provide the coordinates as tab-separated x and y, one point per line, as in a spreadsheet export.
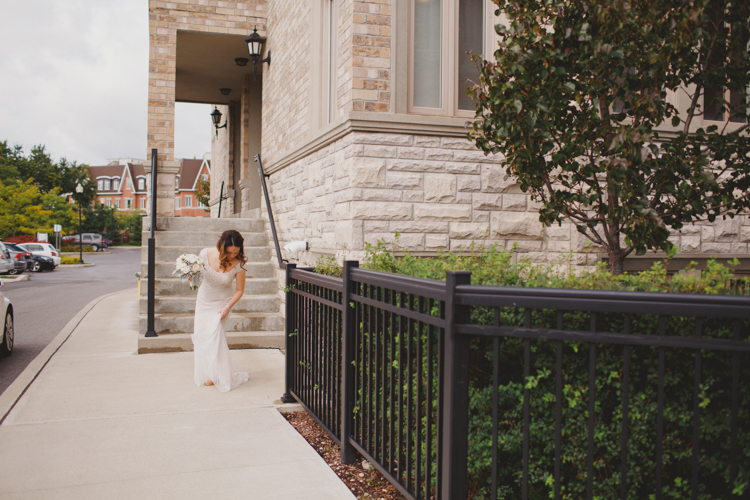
161	101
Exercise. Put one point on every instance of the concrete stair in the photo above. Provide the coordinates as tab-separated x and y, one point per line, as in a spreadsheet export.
255	321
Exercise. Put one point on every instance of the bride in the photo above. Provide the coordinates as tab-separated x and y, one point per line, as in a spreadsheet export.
216	296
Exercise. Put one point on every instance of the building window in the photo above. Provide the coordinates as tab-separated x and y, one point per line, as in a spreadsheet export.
117	203
115	184
143	203
100	185
200	204
204	177
129	203
130	184
188	201
440	70
109	202
106	184
715	103
141	184
177	203
176	182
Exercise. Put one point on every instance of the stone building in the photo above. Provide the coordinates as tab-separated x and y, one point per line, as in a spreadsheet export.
360	120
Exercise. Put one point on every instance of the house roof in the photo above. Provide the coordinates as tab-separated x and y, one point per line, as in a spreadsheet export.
106	171
188	172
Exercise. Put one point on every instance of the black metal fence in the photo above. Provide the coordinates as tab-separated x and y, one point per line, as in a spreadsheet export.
460	391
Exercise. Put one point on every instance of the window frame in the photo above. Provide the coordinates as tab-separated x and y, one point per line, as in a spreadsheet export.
450	85
143	203
188	201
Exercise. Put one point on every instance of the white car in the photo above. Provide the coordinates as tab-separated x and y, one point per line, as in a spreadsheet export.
43	249
7	314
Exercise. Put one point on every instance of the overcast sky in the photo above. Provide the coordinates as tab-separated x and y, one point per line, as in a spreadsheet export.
74	77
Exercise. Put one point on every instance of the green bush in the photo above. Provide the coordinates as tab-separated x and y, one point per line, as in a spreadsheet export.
72	248
65	259
492	266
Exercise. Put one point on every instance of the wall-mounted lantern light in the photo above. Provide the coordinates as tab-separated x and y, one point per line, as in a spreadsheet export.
255	44
216	118
225	91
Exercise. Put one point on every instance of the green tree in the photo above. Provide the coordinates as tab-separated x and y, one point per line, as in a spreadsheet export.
133	223
24	210
580	99
102	220
203	192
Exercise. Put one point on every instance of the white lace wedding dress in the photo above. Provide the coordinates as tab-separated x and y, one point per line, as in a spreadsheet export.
212	361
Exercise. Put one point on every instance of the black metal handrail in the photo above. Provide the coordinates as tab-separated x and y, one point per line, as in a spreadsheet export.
282	262
382	362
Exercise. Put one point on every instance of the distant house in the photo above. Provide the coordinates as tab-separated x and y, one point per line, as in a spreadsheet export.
122	184
185	202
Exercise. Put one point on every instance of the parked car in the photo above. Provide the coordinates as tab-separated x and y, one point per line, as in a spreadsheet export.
44	249
25	254
8	334
19	262
41	263
89	240
6	263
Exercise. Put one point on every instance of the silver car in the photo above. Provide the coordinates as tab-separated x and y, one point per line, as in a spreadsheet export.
8	334
19	261
6	263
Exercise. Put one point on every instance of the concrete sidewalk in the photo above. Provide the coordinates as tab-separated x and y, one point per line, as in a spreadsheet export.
89	418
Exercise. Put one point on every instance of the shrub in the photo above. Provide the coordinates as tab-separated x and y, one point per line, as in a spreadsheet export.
66	259
75	248
492	266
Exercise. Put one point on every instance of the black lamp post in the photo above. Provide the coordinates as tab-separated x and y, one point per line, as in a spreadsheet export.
79	190
216	118
255	44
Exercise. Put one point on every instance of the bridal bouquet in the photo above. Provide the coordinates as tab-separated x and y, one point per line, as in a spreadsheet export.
189	267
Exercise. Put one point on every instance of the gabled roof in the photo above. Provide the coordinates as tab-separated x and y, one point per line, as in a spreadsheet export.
189	170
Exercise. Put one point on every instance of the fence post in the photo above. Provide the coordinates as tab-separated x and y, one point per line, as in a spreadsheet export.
348	370
288	344
454	430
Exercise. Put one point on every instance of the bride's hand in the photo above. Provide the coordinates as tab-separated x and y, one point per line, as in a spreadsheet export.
224	311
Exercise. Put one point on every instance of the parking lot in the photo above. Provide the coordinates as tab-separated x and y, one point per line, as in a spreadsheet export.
44	304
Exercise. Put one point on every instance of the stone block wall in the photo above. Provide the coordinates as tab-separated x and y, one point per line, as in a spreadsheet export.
439	193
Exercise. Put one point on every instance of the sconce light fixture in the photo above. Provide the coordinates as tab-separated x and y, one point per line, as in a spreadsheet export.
255	44
216	118
225	91
241	61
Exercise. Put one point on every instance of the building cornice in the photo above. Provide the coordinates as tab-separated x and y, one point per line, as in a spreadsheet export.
389	123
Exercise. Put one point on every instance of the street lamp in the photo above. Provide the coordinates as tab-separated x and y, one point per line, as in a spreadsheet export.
79	190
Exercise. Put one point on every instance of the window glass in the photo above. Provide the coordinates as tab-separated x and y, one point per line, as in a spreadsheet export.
188	201
100	185
141	184
177	203
427	53
115	184
470	39
106	185
143	202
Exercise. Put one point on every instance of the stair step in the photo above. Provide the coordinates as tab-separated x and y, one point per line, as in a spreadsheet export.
171	287
207	224
206	238
164	269
171	253
186	304
179	342
235	322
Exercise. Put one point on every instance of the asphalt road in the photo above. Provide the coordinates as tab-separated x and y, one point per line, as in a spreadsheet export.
45	304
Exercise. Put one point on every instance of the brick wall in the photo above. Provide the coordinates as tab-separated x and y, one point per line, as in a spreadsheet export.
165	18
369	80
286	85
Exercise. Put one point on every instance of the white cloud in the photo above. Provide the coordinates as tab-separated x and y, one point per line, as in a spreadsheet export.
75	78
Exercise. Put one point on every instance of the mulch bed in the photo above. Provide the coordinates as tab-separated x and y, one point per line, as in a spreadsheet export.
364	484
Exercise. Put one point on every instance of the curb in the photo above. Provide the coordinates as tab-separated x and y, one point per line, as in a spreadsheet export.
15	279
68	266
18	388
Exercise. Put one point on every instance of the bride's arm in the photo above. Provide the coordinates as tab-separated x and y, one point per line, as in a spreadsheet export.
240	278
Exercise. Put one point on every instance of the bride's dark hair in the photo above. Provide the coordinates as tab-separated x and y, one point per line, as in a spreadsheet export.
231	238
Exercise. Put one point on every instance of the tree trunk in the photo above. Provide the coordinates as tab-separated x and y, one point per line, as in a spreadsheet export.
615	261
